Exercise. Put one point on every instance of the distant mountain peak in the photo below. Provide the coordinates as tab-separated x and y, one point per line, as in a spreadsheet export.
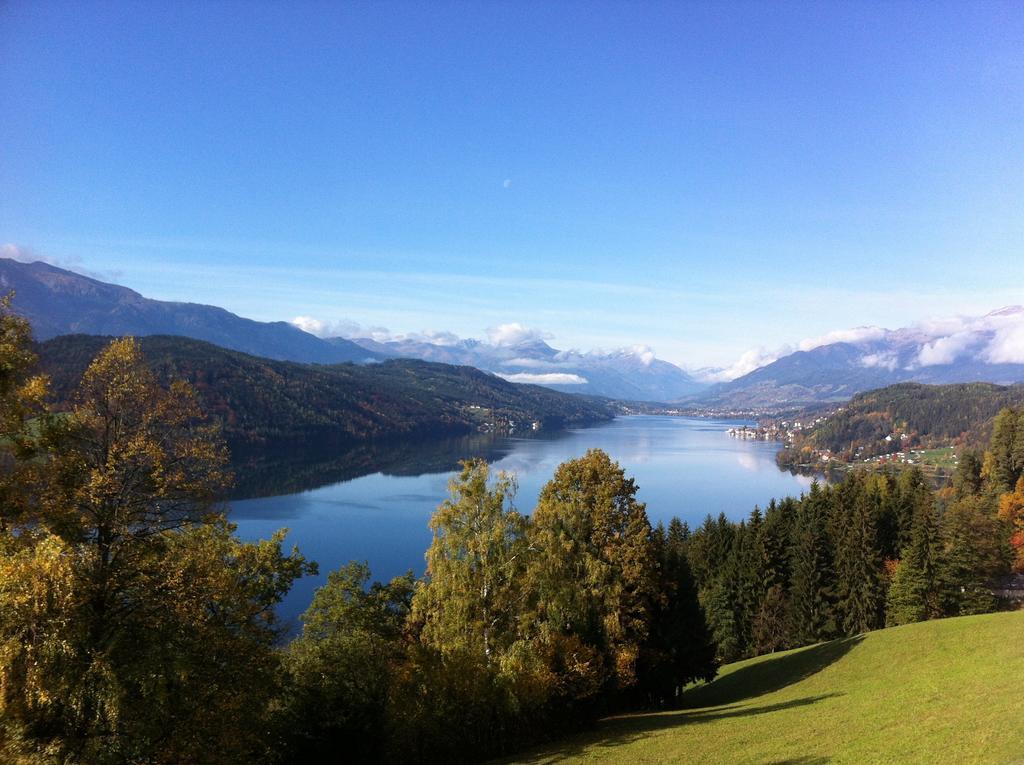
1010	310
57	301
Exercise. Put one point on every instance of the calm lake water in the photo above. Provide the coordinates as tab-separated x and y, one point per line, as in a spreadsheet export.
374	504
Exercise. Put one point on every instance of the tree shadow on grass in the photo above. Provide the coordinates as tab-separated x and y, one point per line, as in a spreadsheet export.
770	674
617	731
718	700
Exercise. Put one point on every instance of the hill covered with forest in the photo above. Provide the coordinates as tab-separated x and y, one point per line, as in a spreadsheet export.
261	401
904	416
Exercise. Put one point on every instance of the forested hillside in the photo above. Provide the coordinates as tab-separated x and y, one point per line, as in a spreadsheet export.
260	401
911	415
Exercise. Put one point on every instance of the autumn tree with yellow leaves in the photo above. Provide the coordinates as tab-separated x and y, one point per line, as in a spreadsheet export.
134	625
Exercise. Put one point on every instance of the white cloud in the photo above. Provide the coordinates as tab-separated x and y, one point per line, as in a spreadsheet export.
551	378
350	329
645	353
321	328
882	359
440	337
946	350
14	252
759	357
642	353
852	336
1007	346
996	338
514	333
753	359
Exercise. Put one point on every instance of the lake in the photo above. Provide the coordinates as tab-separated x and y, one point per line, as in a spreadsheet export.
373	503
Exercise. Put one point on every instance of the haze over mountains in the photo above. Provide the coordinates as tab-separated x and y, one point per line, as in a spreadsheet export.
834	367
519	355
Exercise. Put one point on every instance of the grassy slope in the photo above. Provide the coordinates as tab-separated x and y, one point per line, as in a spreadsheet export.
945	691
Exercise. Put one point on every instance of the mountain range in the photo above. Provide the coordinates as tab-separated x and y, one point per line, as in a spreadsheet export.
60	302
833	368
631	374
988	348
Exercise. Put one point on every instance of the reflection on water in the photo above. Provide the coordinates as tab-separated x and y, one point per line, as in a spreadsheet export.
373	503
270	473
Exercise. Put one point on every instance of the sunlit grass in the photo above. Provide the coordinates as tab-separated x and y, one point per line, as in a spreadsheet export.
947	691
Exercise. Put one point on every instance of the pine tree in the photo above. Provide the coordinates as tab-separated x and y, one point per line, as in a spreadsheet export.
859	571
1005	457
813	591
911	492
680	648
974	552
749	576
710	548
915	593
717	601
967	479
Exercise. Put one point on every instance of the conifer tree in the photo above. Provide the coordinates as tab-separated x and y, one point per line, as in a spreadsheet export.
680	647
967	479
975	551
911	492
814	585
860	599
750	582
916	593
710	547
1005	457
718	602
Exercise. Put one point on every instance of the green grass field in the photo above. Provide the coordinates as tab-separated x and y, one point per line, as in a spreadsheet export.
948	691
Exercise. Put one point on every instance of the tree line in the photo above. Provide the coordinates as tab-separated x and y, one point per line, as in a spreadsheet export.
136	627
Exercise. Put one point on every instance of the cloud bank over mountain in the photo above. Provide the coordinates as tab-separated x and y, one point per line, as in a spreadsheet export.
995	338
521	353
835	366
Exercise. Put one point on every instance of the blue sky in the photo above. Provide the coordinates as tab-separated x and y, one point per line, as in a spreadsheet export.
704	178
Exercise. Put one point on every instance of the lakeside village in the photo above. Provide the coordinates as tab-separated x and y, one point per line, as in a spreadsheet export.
898	446
785	431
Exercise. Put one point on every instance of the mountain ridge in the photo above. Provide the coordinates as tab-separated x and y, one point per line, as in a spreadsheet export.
60	302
